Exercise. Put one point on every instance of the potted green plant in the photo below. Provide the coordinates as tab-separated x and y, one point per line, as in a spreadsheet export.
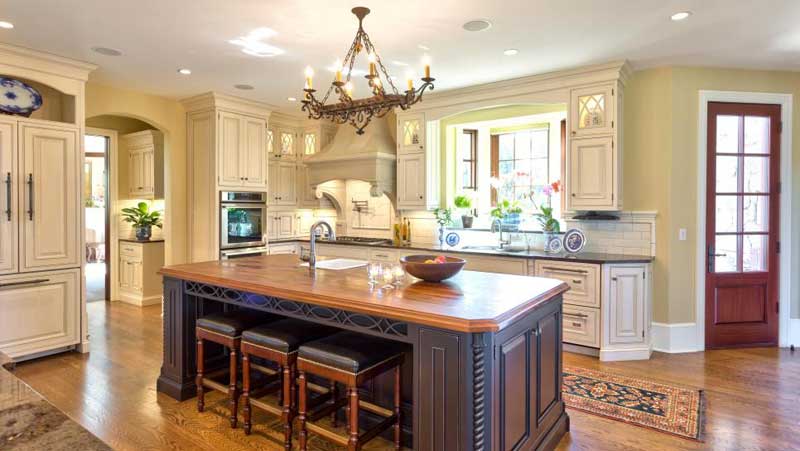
444	217
142	220
464	203
508	212
550	225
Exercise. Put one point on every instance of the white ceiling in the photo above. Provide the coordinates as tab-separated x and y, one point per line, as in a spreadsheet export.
159	36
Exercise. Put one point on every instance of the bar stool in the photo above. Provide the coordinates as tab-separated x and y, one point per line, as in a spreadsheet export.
224	329
350	359
278	342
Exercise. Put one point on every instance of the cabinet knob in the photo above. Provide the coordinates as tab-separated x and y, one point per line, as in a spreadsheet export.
573	132
573	194
420	197
613	279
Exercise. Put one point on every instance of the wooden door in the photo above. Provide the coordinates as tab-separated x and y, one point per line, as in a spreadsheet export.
254	157
229	150
8	196
591	174
411	180
49	194
626	305
742	217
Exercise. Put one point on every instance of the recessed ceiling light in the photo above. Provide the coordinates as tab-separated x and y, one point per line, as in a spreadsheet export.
292	99
106	51
185	71
681	15
477	25
423	47
6	25
244	87
510	52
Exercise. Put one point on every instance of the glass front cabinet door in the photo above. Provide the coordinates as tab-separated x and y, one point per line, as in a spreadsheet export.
592	110
411	133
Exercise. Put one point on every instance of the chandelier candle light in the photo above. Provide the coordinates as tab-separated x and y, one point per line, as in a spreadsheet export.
359	112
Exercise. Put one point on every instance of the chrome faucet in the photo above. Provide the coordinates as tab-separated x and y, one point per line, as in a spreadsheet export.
497	225
312	257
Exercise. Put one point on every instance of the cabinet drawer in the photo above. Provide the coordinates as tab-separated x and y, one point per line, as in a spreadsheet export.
582	326
41	312
493	264
583	280
282	249
341	251
131	250
383	255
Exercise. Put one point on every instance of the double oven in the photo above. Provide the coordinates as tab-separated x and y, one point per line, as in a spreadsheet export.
243	224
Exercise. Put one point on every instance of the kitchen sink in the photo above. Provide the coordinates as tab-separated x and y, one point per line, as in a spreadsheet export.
338	264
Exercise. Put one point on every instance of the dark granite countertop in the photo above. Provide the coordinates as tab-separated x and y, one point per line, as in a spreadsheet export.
583	257
29	422
134	240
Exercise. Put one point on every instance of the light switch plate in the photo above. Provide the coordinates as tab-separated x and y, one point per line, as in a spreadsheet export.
682	234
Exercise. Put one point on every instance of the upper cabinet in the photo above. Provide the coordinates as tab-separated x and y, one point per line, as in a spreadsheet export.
418	162
145	151
594	160
282	183
411	133
241	152
282	143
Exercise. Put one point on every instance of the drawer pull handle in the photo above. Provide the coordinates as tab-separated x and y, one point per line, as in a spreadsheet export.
575	271
8	196
576	315
30	196
576	281
577	325
23	282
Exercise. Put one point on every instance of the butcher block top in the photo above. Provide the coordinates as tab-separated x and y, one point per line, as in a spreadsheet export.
469	302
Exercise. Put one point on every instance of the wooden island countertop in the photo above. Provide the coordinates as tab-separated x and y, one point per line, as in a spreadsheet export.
469	302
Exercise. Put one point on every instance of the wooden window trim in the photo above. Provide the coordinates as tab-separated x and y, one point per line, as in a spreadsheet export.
494	169
473	160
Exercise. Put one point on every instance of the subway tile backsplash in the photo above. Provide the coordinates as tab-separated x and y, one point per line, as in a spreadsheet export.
633	234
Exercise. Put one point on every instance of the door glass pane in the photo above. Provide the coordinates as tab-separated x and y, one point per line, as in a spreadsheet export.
754	253
725	248
591	111
95	144
728	134
411	132
726	217
245	225
756	174
756	213
727	174
756	134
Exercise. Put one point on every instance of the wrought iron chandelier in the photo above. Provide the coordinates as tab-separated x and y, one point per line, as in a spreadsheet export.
359	112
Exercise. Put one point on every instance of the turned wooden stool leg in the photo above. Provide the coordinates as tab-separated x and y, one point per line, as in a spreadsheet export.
397	388
301	408
233	395
286	396
246	392
352	444
199	378
280	392
334	395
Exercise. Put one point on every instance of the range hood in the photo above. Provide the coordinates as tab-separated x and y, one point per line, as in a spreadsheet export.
370	157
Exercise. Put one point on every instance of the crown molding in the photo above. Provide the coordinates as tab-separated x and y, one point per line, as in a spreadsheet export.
22	57
218	101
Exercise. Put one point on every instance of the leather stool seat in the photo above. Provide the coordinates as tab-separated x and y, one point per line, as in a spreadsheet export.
350	351
286	335
232	324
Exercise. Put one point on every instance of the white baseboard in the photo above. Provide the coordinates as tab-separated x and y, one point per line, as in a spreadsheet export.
794	332
140	301
674	338
614	355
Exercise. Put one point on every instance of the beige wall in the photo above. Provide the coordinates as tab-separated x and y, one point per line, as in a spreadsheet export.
168	116
660	145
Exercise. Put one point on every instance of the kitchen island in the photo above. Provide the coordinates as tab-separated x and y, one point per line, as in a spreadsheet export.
484	371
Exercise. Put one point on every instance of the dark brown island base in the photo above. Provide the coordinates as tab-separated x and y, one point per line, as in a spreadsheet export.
483	369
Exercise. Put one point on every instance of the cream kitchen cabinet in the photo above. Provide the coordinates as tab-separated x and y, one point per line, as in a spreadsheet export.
139	263
306	194
282	183
280	225
9	222
41	311
418	164
242	157
49	195
284	248
145	151
593	110
626	312
282	143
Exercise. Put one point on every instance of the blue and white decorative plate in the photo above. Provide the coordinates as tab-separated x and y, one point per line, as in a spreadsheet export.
553	246
18	98
574	241
452	239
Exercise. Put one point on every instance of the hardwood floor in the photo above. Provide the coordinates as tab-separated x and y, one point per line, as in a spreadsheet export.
753	395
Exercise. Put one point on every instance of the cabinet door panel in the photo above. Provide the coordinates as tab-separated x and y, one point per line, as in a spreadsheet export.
254	156
9	218
50	233
41	312
230	144
591	173
439	390
287	179
411	180
626	320
148	171
592	110
518	382
411	133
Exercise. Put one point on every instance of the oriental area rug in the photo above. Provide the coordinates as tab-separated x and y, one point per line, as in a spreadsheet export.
666	408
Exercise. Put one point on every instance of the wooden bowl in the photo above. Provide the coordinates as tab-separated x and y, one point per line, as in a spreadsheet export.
432	272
